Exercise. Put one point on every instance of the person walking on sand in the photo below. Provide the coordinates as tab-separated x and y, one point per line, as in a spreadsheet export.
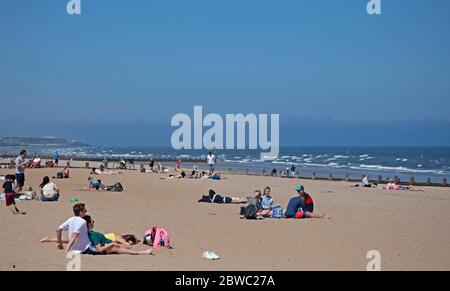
8	188
20	170
302	206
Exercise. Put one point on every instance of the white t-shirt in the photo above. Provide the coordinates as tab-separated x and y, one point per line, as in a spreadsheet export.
77	225
211	159
49	189
365	180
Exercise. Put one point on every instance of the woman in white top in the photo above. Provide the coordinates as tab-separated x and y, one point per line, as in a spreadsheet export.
49	190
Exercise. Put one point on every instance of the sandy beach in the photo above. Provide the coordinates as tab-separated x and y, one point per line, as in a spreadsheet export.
409	229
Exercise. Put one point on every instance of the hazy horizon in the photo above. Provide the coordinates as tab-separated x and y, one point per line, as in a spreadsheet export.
117	73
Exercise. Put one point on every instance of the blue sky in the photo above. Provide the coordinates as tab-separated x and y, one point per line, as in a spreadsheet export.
336	75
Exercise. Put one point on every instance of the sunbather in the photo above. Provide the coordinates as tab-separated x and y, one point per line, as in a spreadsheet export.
213	197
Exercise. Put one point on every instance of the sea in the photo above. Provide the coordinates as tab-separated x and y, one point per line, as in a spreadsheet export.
389	162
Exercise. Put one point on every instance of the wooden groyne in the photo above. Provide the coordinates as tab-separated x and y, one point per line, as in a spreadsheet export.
141	163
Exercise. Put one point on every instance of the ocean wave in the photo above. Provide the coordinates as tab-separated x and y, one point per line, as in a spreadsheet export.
387	168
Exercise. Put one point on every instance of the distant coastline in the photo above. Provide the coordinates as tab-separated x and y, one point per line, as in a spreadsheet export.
39	141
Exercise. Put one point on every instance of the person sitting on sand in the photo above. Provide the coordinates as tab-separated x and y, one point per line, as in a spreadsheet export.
49	190
216	175
95	171
95	184
213	197
257	202
178	166
79	241
36	163
66	172
122	164
267	202
302	206
9	190
366	182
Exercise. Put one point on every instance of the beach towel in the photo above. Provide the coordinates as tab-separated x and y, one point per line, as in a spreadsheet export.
277	212
250	212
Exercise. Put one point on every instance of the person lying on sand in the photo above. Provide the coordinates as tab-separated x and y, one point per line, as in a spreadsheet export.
182	175
79	238
391	185
302	206
102	171
104	246
213	197
127	241
96	184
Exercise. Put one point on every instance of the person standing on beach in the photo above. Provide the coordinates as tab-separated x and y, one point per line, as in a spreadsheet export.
56	158
152	164
293	168
20	170
211	159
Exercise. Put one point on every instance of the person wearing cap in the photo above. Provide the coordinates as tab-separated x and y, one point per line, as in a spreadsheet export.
302	206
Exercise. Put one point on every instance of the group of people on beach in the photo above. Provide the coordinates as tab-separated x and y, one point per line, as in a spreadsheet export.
14	185
83	239
263	206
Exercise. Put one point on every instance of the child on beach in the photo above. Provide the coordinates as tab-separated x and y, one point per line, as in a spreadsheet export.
302	206
8	188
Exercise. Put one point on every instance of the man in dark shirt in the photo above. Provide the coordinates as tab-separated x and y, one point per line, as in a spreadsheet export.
302	206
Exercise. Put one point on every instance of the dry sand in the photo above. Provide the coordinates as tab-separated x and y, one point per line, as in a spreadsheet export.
409	229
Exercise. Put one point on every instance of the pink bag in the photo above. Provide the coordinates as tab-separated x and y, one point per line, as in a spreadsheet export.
157	237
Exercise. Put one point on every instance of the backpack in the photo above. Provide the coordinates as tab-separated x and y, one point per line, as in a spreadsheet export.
117	187
157	237
277	212
250	212
59	175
